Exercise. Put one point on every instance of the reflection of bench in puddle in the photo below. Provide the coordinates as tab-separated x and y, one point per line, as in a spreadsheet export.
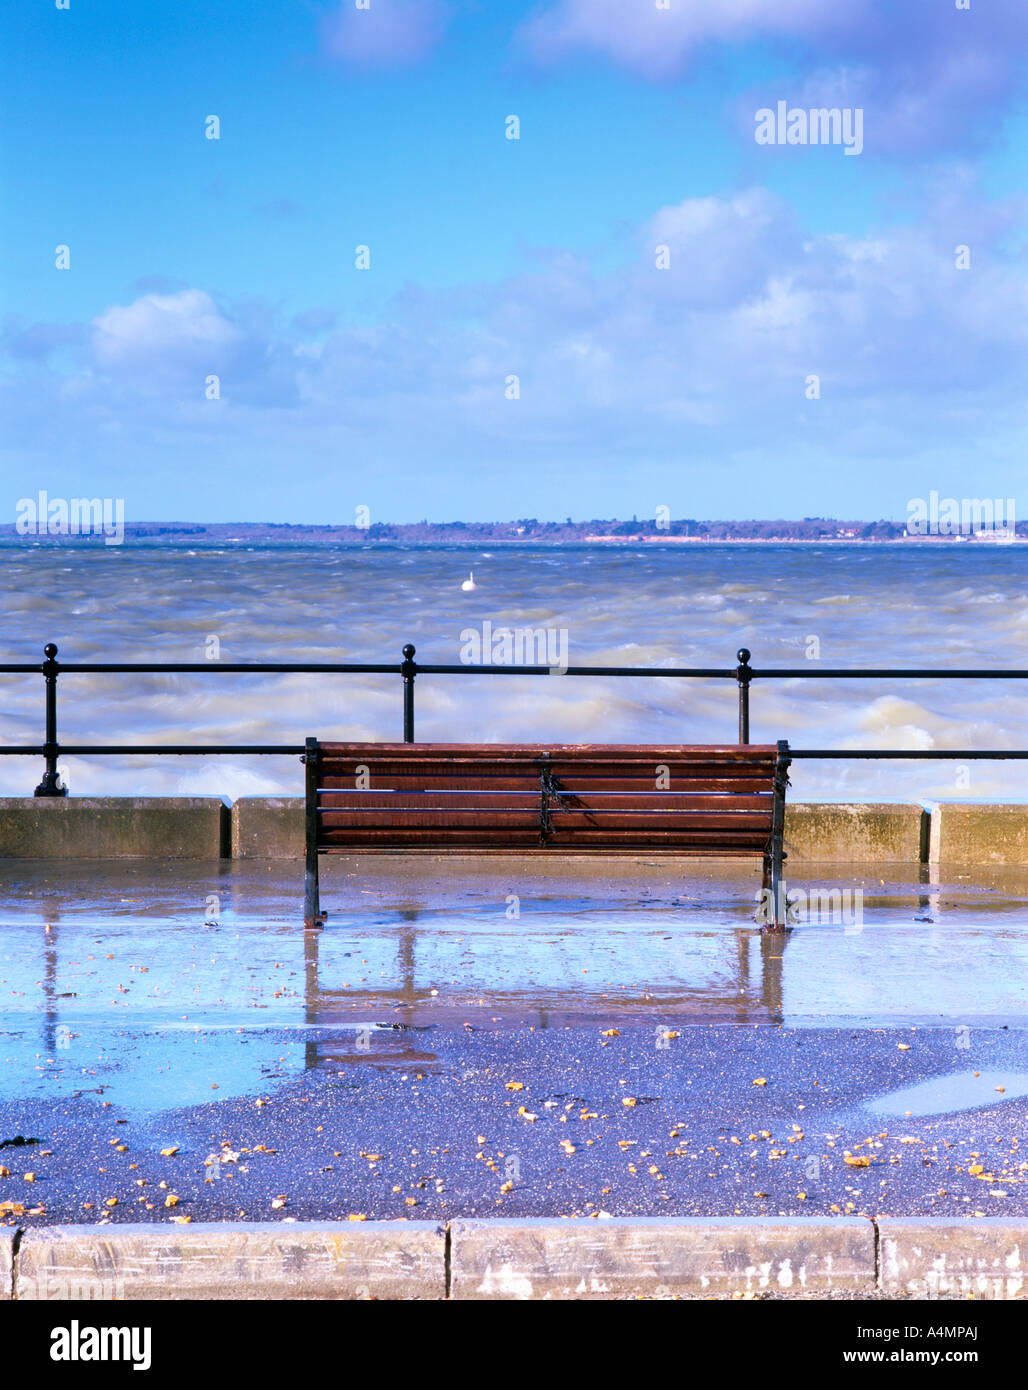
742	999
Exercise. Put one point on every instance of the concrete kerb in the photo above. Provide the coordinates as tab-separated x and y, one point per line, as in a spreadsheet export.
543	1258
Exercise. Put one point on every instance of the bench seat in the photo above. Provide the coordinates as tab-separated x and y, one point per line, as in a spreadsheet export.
599	799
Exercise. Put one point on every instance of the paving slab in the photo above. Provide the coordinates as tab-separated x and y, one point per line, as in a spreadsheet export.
235	1260
6	1265
626	1257
932	1256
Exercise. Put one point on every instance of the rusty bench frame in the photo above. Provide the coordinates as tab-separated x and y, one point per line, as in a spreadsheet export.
525	808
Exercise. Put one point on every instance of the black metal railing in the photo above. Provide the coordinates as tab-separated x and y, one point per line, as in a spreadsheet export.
408	669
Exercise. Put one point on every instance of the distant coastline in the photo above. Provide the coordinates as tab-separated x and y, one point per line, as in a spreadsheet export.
530	531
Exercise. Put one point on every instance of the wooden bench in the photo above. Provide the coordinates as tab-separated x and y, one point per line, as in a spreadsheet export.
454	798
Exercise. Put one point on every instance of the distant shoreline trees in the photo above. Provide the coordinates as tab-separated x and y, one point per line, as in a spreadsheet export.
525	530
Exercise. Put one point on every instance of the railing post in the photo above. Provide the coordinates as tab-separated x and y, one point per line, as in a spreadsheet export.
744	674
408	670
51	783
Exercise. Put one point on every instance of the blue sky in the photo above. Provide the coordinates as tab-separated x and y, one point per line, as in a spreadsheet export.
685	386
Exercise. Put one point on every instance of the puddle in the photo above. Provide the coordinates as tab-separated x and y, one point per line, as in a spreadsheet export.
113	980
944	1095
149	1069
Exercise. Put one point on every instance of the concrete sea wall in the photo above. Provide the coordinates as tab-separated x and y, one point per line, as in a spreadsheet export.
271	827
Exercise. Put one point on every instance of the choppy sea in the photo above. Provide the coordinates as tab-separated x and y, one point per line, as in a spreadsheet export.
936	605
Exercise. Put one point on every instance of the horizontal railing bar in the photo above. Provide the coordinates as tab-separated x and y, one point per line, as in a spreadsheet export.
179	749
887	673
499	669
902	753
155	667
288	749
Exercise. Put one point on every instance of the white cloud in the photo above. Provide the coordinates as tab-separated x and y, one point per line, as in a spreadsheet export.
661	42
387	33
173	328
930	78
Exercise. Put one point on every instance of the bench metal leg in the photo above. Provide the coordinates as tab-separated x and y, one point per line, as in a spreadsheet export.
771	914
775	854
765	889
313	917
778	920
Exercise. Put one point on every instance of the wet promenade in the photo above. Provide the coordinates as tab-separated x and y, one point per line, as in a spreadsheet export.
516	1044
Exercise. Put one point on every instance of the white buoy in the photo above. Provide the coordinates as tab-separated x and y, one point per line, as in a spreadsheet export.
469	583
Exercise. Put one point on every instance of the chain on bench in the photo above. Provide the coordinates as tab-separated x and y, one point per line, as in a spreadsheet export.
552	789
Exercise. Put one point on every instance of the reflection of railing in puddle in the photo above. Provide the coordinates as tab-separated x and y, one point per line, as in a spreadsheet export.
404	1048
542	1011
54	1032
742	999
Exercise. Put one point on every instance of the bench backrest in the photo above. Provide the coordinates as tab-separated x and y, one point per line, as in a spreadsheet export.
587	798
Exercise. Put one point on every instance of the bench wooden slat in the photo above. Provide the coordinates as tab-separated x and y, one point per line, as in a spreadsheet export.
462	799
560	821
490	762
532	849
443	838
581	786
